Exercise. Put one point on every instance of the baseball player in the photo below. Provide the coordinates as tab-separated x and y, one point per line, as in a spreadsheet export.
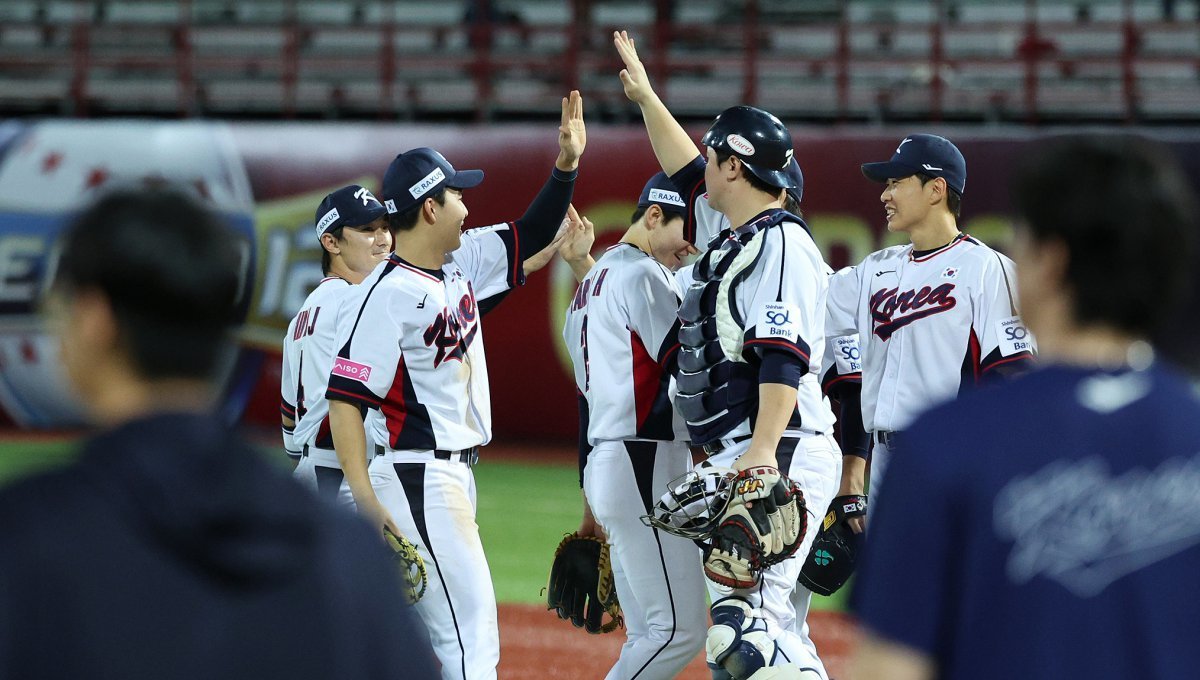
752	344
621	331
1050	526
411	355
934	317
352	228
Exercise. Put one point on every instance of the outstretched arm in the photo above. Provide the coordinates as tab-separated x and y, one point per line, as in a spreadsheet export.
536	228
672	145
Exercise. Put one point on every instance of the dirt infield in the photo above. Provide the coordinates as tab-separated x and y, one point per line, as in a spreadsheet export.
535	644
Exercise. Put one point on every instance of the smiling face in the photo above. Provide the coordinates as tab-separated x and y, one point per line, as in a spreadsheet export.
359	249
906	203
667	244
450	217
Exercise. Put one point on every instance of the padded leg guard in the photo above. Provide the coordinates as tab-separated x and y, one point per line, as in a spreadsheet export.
738	641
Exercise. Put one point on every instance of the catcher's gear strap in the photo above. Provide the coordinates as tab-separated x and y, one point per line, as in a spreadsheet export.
581	586
413	577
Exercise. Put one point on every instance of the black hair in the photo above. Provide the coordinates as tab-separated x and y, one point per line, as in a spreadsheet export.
792	205
407	220
953	198
171	270
752	178
326	256
668	214
1126	215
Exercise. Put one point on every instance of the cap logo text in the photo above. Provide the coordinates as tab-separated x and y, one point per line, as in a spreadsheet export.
364	194
906	141
740	144
664	196
428	182
326	220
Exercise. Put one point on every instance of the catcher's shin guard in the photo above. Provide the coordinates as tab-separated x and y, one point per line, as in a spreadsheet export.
738	643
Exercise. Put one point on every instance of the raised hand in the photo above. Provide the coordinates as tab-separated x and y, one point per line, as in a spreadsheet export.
572	134
633	76
580	236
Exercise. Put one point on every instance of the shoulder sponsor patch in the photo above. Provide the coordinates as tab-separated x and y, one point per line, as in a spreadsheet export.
351	369
779	320
1012	337
847	355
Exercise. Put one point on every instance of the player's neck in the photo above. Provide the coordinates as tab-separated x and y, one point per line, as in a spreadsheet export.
749	205
638	237
125	397
1061	340
339	269
416	247
934	232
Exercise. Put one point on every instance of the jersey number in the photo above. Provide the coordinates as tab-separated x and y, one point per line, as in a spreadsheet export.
587	369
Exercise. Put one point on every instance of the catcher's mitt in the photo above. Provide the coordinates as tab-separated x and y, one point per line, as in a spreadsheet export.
763	524
581	586
834	551
412	568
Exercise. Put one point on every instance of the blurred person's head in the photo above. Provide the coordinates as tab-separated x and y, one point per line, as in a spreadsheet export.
1105	226
144	300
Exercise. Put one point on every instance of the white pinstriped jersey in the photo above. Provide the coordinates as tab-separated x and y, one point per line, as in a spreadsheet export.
308	351
411	345
621	333
929	325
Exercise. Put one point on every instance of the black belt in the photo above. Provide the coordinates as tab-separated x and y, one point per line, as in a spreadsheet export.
713	448
466	456
885	437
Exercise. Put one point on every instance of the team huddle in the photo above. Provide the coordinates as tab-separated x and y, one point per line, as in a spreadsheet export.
709	347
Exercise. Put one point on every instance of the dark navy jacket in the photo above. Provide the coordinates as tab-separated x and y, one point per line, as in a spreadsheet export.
172	550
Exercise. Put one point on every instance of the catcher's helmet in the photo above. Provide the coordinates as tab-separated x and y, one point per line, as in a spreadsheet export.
758	139
693	504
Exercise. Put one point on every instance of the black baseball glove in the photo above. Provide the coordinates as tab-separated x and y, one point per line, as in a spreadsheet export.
834	551
581	586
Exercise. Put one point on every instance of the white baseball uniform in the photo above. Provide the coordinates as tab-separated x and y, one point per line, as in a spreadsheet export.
931	323
411	352
621	332
770	278
308	351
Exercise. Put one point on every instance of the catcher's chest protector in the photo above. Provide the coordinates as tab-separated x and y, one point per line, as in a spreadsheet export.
718	389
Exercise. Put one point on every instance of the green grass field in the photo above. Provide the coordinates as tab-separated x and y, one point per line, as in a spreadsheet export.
524	510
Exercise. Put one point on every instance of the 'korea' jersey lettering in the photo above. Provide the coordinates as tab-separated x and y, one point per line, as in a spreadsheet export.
930	324
419	366
621	332
308	351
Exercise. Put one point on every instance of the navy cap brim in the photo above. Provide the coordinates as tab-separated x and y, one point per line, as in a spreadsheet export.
465	179
882	172
371	213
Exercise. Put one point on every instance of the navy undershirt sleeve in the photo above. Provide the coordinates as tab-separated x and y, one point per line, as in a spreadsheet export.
536	228
855	440
782	367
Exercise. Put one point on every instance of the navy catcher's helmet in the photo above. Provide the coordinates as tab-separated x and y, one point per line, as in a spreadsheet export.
758	139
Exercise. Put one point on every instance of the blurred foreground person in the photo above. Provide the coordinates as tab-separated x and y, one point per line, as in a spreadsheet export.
170	548
1050	527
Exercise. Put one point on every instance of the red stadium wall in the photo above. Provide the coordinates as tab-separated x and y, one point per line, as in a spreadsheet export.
291	166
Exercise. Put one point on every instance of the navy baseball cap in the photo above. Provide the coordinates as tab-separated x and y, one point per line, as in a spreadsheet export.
418	173
929	154
350	206
661	192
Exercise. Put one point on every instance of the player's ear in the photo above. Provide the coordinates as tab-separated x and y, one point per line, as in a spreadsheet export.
654	215
937	190
429	210
330	243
